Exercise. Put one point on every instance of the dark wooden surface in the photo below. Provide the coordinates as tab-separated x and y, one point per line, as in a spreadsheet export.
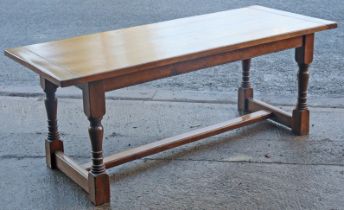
113	83
278	115
72	170
245	91
94	108
303	57
53	142
175	141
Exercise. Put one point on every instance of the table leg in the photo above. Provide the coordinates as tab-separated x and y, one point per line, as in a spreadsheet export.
53	142
94	108
245	91
303	57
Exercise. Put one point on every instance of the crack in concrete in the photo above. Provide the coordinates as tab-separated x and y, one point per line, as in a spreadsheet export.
241	162
34	95
2	157
20	94
68	136
19	157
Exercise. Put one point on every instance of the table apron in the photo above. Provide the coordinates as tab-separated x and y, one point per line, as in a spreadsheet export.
199	63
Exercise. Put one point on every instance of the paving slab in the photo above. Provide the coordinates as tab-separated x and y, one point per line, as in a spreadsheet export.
162	184
257	167
148	94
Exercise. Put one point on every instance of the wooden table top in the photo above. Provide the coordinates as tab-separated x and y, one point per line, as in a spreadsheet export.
109	54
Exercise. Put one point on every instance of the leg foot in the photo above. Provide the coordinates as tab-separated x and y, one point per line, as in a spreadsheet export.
50	148
99	185
300	122
243	95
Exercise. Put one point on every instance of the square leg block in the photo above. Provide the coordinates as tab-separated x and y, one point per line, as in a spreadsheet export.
99	188
300	122
243	95
50	148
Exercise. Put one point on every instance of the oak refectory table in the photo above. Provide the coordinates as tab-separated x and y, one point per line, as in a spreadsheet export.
106	61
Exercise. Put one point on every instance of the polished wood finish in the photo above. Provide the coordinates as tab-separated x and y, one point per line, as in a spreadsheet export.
111	60
278	115
196	64
303	57
245	92
115	53
53	142
186	138
94	108
78	174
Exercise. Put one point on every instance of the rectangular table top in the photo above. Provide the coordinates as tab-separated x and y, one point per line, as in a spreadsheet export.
103	55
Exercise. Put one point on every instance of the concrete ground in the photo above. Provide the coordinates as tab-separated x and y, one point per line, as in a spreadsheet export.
257	167
262	166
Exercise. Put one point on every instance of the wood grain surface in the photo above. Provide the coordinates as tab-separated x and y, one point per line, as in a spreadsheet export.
114	53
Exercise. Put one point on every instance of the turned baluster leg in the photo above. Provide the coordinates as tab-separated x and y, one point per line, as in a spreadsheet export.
94	108
303	57
53	142
245	91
